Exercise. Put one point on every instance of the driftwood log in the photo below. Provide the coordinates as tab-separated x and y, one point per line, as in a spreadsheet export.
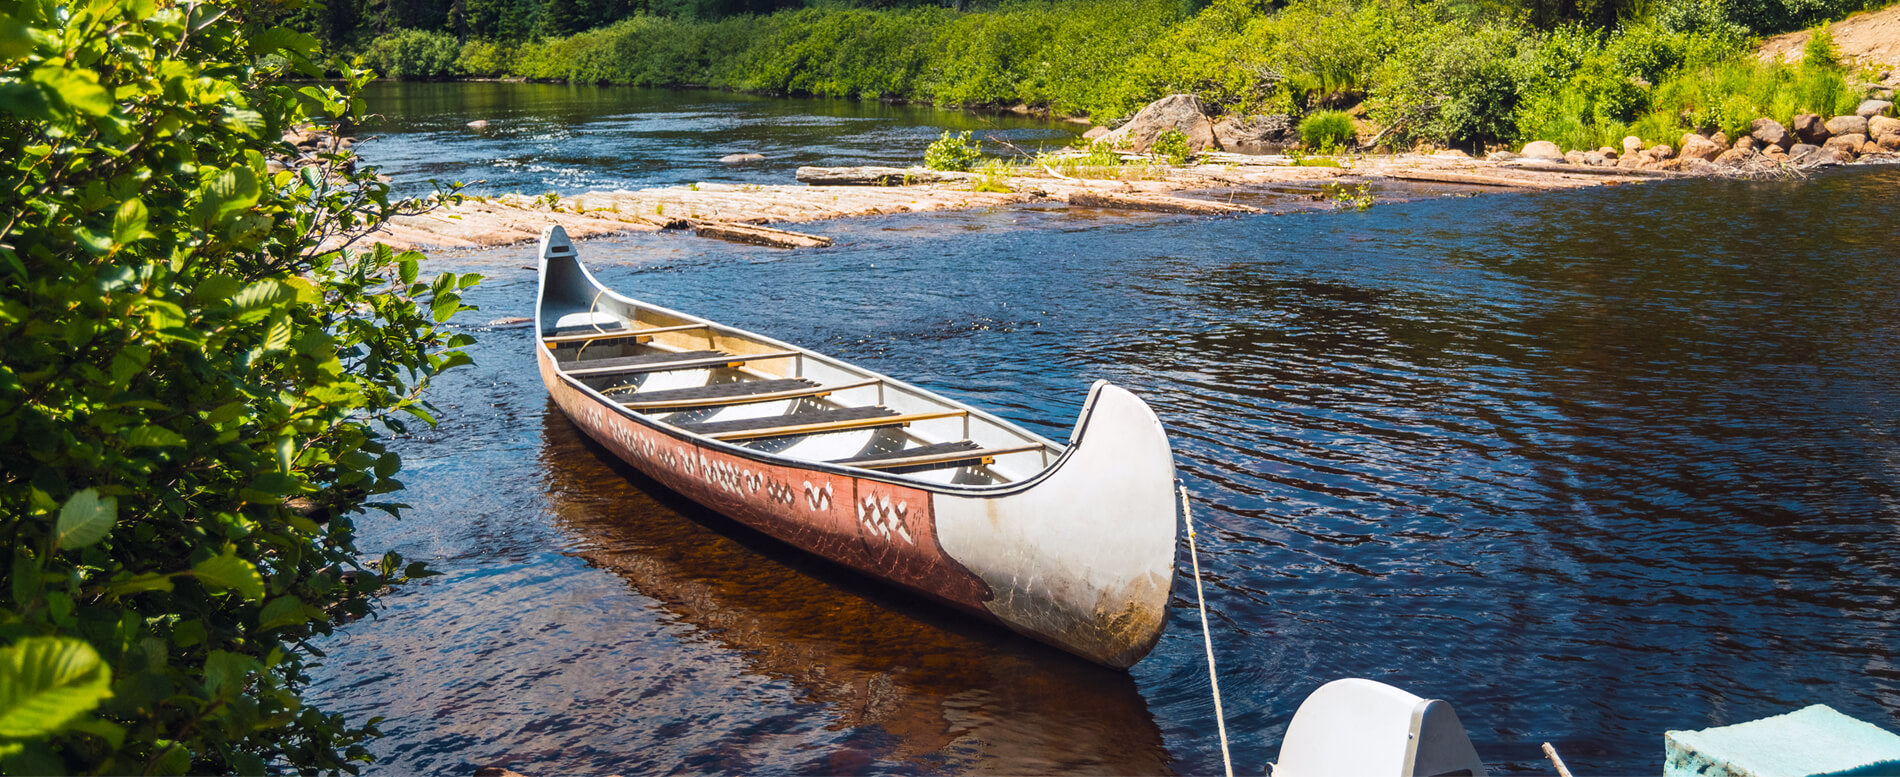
1469	179
1546	167
1156	202
734	232
876	176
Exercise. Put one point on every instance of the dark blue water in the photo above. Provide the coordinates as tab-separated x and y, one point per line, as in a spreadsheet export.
1590	465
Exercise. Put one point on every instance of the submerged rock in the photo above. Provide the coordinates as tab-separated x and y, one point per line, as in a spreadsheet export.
739	159
478	125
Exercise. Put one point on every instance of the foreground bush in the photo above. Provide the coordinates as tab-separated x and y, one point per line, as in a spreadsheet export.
193	395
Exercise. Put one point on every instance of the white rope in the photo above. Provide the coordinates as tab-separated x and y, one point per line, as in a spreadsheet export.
1207	638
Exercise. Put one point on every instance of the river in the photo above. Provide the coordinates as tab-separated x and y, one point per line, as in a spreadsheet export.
1589	465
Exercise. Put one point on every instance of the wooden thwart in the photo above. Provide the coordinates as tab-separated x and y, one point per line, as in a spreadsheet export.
617	334
1158	203
982	455
791	388
845	425
698	360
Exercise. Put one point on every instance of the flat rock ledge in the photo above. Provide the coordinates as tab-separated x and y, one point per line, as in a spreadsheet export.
739	211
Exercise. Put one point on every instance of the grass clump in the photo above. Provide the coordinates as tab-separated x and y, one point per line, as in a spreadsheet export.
1326	131
1172	145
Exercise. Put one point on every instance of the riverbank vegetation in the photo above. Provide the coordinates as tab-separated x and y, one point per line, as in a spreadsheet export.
1460	72
197	387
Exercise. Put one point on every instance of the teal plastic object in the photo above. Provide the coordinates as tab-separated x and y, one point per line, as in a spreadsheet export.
1816	741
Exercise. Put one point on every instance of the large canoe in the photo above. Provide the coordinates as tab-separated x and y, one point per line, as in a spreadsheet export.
1071	545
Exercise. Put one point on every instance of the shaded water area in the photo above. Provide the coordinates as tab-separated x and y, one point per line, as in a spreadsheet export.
1590	465
572	138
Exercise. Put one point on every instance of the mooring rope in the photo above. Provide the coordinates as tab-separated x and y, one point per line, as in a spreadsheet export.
1207	638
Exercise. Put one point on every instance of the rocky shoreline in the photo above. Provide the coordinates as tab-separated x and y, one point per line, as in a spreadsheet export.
1140	180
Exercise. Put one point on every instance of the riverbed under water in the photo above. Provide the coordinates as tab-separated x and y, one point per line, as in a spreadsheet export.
1589	465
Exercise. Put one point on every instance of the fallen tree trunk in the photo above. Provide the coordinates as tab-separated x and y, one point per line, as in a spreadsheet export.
875	176
1157	203
756	235
1468	179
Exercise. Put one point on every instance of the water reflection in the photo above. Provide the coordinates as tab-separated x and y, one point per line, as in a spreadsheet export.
943	692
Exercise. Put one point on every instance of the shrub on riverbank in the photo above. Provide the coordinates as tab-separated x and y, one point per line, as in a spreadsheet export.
415	55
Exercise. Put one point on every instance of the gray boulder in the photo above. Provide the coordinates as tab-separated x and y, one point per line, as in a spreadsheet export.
1849	143
1872	108
1809	129
1543	150
1770	133
1697	147
1632	145
1804	154
1257	134
739	159
1183	112
1847	125
1880	126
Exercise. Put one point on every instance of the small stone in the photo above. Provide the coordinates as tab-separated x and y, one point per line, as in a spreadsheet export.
1719	138
1810	130
1502	156
1770	133
1847	125
1869	147
1597	159
1660	151
1890	142
1804	154
1734	157
1632	145
478	125
1634	161
1881	125
1695	165
275	166
1872	108
1544	150
1849	143
1608	153
1774	154
1745	143
1573	157
1697	147
739	159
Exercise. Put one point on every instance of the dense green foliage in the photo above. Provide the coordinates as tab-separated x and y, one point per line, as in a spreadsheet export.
194	396
1459	72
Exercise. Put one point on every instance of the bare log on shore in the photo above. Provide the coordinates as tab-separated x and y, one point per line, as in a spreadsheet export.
876	176
1468	179
756	235
1158	203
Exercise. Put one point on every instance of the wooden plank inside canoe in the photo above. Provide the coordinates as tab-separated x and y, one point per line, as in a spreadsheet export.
914	457
811	425
591	335
666	362
735	393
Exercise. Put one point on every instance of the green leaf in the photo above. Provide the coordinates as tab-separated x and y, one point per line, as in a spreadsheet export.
149	436
286	450
231	191
263	294
278	39
48	682
129	224
78	88
283	611
445	306
16	39
408	267
230	573
150	581
86	518
226	671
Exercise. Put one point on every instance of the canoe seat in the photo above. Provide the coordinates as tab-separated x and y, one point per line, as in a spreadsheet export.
737	388
924	450
713	428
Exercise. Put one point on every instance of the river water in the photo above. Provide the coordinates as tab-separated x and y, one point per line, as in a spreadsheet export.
1589	465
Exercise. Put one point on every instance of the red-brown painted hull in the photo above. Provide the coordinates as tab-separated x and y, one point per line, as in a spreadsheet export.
882	529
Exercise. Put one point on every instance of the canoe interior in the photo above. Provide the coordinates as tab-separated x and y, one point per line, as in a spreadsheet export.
746	390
